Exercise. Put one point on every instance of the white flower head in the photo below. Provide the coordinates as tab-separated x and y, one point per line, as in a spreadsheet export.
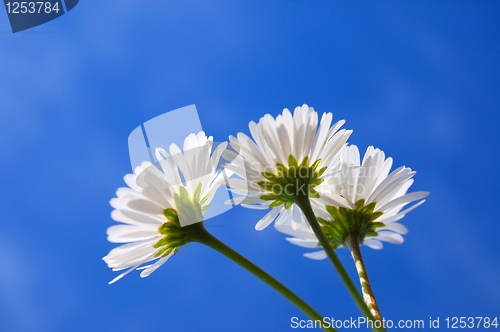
289	155
157	204
375	201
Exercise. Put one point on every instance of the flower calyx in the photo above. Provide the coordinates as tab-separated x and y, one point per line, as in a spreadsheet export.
349	223
289	184
173	235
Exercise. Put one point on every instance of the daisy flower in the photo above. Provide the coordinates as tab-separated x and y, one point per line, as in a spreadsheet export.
287	157
157	204
375	200
375	197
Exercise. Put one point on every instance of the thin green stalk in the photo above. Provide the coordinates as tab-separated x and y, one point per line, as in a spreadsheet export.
368	295
198	233
305	205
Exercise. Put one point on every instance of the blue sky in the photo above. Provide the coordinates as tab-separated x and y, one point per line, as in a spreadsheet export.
418	80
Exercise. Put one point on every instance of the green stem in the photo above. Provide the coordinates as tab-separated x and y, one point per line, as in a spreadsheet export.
305	205
368	295
198	233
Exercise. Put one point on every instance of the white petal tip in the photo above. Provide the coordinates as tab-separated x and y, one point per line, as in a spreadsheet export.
115	279
318	255
259	227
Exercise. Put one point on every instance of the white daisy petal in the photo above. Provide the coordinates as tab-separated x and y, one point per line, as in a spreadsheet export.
403	200
317	255
374	244
126	233
296	217
147	175
267	220
247	200
283	217
321	137
126	248
390	237
306	243
116	203
135	218
153	267
335	200
144	206
402	213
395	227
304	231
255	206
123	275
129	261
121	259
130	180
390	218
388	180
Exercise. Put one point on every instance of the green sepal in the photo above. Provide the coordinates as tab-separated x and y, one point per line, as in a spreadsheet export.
204	199
269	176
171	215
376	225
197	193
317	182
275	204
346	223
268	185
269	197
167	250
305	162
168	227
281	169
316	164
314	194
167	240
321	171
371	234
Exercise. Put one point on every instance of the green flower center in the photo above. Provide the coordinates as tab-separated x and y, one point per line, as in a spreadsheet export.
289	183
348	223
